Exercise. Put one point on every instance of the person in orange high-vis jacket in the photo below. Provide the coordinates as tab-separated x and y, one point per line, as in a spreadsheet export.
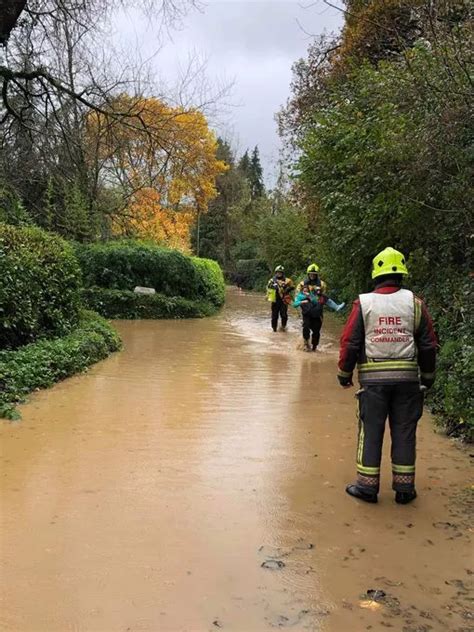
390	337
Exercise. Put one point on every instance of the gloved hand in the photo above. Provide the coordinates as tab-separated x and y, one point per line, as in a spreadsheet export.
427	381
345	382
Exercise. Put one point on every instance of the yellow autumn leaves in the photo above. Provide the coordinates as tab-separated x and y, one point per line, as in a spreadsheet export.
162	160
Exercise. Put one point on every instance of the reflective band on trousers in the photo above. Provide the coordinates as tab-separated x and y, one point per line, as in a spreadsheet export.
389	323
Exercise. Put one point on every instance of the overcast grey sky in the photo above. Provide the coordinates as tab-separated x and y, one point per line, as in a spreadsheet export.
251	43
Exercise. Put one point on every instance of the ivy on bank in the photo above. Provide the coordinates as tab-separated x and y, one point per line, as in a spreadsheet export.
41	364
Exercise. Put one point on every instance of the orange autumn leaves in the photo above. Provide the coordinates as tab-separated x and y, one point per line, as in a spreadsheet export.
163	162
148	219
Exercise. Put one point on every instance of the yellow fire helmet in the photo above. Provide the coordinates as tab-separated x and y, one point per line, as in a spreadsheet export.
389	261
312	268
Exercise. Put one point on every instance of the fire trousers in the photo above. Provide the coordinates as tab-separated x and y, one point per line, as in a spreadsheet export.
402	403
312	325
279	308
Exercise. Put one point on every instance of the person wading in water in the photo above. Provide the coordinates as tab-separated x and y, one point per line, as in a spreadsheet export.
279	291
311	300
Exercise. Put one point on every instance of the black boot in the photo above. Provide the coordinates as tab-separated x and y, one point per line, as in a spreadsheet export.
403	498
367	497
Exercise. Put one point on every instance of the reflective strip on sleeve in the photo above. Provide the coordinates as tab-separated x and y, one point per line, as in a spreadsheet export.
344	373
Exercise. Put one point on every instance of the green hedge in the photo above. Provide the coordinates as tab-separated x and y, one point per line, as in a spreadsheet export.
127	304
41	364
210	280
39	286
122	265
452	397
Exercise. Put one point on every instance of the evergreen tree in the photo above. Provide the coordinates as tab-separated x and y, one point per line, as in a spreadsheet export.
12	210
244	165
257	188
75	222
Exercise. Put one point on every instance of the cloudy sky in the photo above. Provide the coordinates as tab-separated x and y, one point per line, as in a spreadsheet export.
251	44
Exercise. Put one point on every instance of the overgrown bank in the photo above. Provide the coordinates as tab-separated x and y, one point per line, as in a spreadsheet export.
382	121
40	364
45	335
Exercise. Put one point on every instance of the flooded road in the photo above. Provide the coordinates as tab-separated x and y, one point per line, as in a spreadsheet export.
147	494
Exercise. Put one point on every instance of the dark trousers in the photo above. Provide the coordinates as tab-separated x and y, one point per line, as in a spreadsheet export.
279	309
402	403
312	325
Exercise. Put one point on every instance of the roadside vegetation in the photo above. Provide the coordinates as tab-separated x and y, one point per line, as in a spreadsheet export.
185	286
45	333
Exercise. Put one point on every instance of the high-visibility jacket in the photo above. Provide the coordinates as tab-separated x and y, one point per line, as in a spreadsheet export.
390	336
277	289
313	286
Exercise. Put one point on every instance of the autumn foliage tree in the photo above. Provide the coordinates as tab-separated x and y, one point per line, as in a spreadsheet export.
163	163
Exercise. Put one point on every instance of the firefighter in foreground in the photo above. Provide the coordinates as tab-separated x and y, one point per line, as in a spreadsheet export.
390	336
279	290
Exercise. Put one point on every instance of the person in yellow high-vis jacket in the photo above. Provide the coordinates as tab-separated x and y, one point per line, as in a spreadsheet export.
390	336
279	290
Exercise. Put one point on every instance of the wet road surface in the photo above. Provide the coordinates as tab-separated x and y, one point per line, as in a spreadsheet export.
195	482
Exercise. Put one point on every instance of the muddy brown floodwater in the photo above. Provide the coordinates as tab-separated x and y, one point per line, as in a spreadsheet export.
195	482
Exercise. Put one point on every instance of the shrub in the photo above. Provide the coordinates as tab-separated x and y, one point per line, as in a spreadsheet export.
39	286
122	265
453	393
210	280
41	364
127	304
